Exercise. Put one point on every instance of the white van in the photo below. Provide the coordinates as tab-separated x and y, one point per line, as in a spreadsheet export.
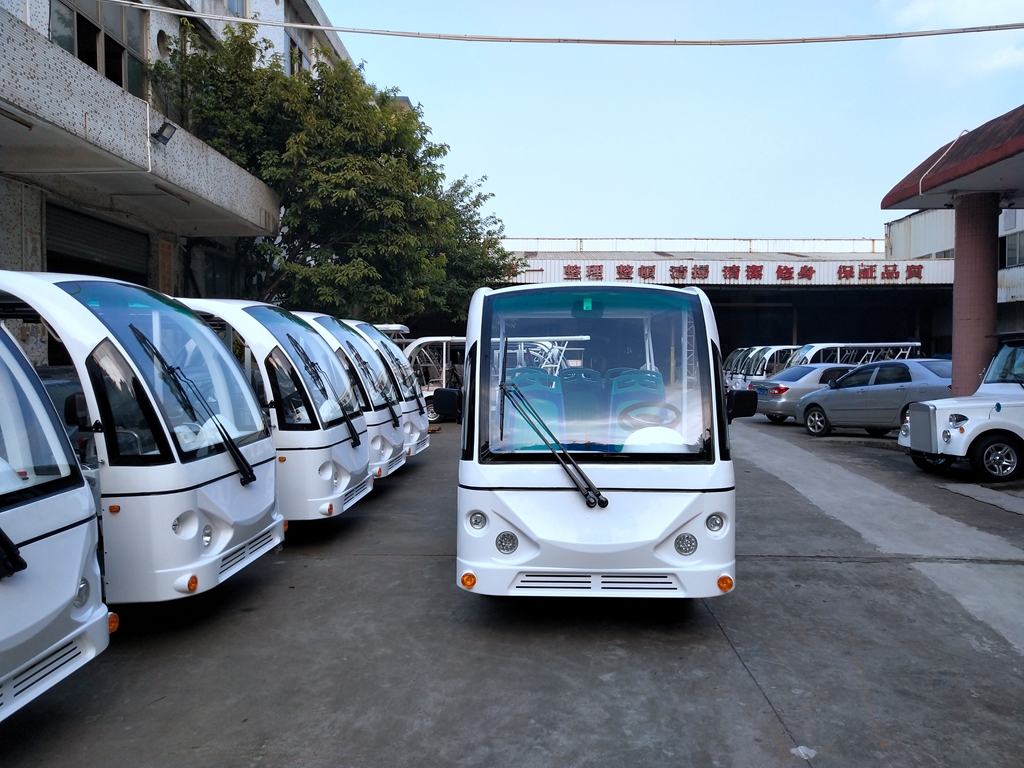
159	411
319	432
381	403
52	616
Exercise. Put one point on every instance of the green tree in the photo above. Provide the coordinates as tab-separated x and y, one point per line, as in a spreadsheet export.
368	227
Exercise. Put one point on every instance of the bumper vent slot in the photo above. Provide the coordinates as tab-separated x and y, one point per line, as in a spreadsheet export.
43	668
396	462
248	551
647	582
356	491
554	581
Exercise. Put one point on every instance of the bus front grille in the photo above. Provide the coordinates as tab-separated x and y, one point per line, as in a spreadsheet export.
356	491
648	582
554	581
621	582
42	669
396	462
248	551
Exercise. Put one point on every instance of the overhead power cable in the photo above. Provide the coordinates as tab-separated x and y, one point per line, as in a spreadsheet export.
576	40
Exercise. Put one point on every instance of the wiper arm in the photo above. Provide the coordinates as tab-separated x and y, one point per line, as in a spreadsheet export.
11	560
380	390
308	365
319	377
246	474
583	484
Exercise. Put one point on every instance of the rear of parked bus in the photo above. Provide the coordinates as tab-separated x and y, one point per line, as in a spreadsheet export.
161	413
52	616
595	448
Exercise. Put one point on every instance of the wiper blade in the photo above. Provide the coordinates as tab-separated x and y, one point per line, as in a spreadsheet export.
379	388
11	560
319	377
307	363
246	474
584	485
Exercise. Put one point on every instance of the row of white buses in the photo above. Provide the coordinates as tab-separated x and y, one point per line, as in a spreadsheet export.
192	431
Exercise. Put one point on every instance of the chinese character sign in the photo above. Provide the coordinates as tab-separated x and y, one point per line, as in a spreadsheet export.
702	271
806	272
571	272
755	271
915	270
866	272
646	271
623	272
730	272
678	272
845	272
595	271
890	272
783	272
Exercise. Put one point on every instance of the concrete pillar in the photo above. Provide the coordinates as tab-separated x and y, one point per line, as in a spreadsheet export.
974	288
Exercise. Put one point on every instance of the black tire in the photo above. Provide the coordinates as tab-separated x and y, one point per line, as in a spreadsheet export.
997	458
774	418
932	466
877	431
816	422
433	417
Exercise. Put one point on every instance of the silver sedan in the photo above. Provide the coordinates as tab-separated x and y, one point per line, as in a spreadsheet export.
874	397
777	397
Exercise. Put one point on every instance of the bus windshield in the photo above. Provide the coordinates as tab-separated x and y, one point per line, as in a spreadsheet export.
324	379
1008	365
399	362
358	350
174	350
618	374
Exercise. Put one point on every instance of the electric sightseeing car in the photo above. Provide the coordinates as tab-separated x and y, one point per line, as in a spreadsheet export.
319	431
595	457
159	412
52	617
380	401
414	409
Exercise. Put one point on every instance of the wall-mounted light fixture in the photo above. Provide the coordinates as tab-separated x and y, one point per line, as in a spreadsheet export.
164	132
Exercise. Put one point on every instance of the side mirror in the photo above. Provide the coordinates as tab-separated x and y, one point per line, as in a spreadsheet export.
448	403
831	383
740	403
76	412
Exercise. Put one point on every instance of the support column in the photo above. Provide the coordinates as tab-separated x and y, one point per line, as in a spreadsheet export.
974	288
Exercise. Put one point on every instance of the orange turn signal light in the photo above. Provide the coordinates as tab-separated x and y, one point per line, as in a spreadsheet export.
114	508
380	471
193	583
286	526
113	622
282	458
468	580
725	583
409	452
330	510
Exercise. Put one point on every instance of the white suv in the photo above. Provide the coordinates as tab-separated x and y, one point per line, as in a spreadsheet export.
987	428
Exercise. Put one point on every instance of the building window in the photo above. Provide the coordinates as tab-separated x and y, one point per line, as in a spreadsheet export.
300	42
946	254
236	8
1014	252
109	38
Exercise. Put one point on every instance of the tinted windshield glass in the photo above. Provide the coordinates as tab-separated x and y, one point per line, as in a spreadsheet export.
941	368
35	456
158	333
365	357
397	359
326	383
1008	364
793	374
621	374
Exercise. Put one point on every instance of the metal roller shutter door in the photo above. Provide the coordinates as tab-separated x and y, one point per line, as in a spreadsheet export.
75	234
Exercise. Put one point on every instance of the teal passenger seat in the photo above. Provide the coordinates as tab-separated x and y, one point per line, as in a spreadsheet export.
544	393
585	406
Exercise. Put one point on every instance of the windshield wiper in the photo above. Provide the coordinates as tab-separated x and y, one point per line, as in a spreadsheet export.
246	474
380	390
11	560
583	484
319	377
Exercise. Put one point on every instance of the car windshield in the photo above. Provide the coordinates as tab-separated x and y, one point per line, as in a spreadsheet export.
1008	364
366	359
35	456
397	359
323	377
174	350
620	374
793	374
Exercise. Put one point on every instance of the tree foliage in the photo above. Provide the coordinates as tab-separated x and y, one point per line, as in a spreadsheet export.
369	227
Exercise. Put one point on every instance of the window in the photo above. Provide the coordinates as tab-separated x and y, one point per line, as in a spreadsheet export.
858	378
831	373
236	8
892	374
946	254
109	38
1014	252
300	42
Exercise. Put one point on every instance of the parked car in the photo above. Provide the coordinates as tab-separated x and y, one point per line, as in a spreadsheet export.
987	427
874	397
778	396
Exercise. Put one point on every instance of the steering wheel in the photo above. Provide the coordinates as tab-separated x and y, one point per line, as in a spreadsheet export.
637	415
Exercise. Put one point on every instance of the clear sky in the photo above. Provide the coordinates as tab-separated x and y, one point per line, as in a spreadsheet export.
600	141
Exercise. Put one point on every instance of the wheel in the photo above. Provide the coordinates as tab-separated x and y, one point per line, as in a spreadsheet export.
775	418
877	431
816	422
432	416
996	458
934	466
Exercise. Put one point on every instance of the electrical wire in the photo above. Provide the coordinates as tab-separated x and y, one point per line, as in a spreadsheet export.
577	40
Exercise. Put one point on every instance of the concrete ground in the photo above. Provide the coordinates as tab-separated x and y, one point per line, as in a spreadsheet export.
878	619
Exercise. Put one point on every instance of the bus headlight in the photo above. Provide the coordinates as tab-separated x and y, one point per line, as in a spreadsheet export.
507	542
176	525
82	595
478	520
207	535
715	522
686	544
945	435
957	420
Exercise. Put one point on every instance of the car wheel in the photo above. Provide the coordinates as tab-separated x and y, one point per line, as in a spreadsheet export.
432	416
934	466
996	458
816	422
877	431
775	418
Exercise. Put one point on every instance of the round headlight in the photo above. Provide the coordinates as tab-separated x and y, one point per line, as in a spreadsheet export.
507	542
176	525
945	435
83	593
686	543
478	520
207	535
905	429
715	522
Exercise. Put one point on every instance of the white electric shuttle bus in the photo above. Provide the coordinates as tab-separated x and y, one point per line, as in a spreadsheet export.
437	362
159	412
595	457
319	431
380	401
414	410
52	616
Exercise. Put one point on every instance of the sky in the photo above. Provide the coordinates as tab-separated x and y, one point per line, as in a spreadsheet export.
797	141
